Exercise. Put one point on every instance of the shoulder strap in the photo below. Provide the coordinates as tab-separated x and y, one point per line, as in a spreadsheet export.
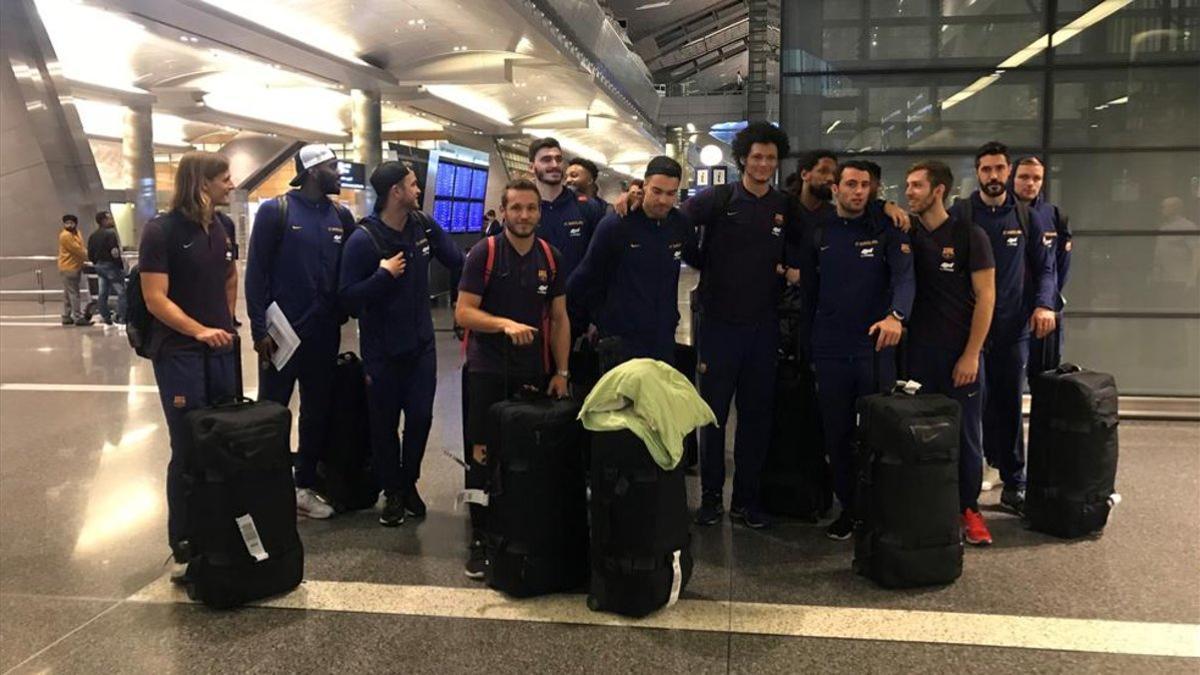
553	266
281	206
1023	218
491	260
345	216
372	235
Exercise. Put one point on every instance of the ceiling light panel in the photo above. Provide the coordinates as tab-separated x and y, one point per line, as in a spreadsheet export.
295	22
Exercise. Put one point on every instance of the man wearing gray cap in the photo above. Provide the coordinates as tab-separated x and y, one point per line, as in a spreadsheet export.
295	249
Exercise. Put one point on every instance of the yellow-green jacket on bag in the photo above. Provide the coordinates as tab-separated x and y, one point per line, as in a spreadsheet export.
651	399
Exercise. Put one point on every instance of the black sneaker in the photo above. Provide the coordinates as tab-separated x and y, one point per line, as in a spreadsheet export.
842	528
1013	499
476	567
750	517
393	510
85	321
413	505
710	511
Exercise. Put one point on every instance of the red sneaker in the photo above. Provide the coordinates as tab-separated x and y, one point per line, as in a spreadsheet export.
975	529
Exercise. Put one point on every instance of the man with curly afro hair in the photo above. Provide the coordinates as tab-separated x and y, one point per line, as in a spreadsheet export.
741	254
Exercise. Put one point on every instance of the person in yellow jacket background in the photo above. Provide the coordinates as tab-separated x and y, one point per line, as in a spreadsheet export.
71	256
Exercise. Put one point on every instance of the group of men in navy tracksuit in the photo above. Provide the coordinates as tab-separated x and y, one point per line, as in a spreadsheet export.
975	285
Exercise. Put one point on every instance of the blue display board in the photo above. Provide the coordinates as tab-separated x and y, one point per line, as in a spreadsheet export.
479	186
442	211
459	194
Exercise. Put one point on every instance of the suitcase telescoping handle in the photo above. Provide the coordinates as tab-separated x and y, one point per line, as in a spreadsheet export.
901	355
239	389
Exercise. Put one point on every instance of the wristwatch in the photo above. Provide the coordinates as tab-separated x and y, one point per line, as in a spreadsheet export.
564	374
898	316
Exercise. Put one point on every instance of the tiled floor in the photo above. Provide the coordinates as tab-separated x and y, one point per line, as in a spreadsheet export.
82	530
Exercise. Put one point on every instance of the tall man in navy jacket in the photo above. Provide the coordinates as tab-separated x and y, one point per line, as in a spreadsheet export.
628	281
1027	183
860	272
295	249
741	254
385	283
1026	291
568	219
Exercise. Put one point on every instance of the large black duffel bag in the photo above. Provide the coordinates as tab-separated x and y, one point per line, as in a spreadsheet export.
641	554
1072	465
537	530
243	543
907	531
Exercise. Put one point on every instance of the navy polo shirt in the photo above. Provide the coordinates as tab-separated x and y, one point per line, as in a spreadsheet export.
743	242
197	266
393	312
520	288
628	281
864	271
945	301
568	223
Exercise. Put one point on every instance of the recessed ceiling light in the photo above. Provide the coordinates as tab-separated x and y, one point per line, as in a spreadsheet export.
654	5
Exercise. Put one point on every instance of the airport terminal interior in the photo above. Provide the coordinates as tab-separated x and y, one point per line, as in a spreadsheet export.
103	102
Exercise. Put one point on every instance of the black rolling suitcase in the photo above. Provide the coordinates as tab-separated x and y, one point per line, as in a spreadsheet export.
243	543
537	530
344	474
685	362
796	479
1072	464
907	530
641	555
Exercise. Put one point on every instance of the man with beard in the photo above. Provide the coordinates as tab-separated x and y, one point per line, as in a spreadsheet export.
384	281
863	295
1026	291
582	174
295	249
628	281
513	300
956	292
1028	185
566	222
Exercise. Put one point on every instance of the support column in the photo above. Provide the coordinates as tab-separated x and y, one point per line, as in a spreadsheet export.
137	152
763	13
678	145
366	133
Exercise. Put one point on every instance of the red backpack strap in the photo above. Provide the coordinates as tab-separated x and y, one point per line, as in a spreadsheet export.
487	276
547	359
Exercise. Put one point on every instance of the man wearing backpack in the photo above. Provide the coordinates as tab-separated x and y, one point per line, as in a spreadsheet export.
1026	288
1030	174
295	250
859	279
384	281
628	281
952	312
513	300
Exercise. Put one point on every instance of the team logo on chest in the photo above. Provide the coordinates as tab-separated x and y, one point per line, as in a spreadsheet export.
574	228
778	229
337	234
1012	238
866	248
947	259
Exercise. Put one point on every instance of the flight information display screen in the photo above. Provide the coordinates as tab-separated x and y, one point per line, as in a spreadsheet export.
459	193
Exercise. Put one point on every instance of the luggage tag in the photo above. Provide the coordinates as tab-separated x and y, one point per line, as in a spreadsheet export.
250	536
676	578
479	497
910	387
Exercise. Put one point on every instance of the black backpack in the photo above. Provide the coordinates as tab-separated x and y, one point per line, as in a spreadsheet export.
139	322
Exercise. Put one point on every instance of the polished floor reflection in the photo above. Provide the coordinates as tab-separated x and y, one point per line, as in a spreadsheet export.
82	551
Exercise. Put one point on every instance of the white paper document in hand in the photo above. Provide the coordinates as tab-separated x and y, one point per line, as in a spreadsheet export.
280	330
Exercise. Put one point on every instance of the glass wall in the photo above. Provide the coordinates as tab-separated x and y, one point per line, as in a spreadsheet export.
1106	91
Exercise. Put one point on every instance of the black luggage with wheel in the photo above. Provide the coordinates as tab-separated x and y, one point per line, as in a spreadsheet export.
641	555
243	543
907	530
1072	465
344	474
685	362
796	479
537	531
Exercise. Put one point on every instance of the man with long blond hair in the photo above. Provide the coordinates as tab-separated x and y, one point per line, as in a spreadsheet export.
189	281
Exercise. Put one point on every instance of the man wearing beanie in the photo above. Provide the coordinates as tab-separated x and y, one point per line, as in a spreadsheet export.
384	281
628	280
295	249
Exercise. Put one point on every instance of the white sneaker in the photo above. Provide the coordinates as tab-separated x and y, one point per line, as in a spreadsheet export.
310	505
991	478
178	572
